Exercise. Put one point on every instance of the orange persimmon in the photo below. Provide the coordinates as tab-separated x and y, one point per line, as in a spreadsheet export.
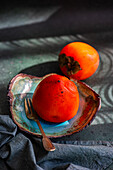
78	60
56	98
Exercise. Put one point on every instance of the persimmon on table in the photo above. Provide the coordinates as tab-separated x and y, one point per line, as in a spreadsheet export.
78	60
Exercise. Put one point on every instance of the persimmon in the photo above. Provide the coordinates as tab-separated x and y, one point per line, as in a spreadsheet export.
78	60
56	98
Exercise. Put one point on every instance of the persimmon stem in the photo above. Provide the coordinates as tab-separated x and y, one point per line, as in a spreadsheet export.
72	66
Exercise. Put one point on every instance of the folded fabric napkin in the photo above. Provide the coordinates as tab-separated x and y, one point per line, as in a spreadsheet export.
19	150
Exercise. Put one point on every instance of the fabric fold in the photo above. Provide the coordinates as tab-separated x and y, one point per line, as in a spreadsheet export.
19	150
8	129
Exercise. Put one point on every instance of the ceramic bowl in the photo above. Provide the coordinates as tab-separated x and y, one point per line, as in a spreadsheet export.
23	86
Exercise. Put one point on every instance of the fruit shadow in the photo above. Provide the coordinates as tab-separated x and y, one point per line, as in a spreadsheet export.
42	69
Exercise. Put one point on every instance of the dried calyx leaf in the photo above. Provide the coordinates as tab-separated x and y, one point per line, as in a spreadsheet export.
72	66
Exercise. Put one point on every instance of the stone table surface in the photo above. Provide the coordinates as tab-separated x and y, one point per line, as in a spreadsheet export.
39	56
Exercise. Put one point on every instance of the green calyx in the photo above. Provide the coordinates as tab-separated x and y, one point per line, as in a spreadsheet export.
72	66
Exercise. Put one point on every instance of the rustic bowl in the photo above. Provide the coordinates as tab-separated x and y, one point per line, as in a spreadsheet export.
22	86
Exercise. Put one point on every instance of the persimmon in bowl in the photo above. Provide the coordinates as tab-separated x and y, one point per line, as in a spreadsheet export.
56	99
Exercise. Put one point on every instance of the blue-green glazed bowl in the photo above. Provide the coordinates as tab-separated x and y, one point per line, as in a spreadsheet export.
23	86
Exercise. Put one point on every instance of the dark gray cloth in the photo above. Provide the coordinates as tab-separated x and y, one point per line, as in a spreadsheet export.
21	151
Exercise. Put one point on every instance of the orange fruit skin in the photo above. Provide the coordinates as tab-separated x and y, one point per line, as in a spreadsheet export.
87	57
56	99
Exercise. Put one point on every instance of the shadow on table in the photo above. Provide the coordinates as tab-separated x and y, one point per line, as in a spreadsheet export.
66	20
4	107
42	69
99	132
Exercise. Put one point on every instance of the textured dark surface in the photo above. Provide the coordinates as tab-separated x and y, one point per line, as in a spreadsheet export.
38	56
35	21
